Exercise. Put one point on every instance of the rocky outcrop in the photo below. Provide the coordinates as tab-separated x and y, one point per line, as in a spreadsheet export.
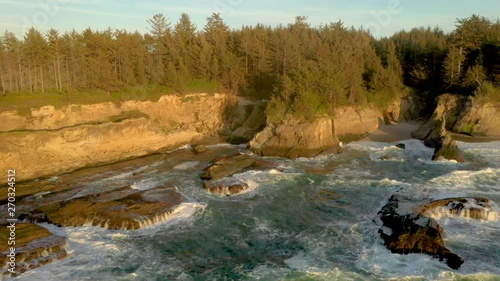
255	122
464	116
406	231
443	118
53	141
35	246
478	118
293	138
218	175
474	208
198	148
355	123
448	149
435	133
124	209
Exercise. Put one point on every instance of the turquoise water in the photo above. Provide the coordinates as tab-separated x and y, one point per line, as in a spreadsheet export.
307	219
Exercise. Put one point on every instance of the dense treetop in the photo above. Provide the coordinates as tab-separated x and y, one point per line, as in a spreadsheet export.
302	69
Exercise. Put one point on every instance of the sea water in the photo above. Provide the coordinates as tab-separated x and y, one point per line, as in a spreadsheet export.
306	219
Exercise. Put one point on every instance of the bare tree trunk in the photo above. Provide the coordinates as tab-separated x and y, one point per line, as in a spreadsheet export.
43	84
2	83
59	72
74	71
31	81
21	76
460	63
55	74
35	80
10	79
68	78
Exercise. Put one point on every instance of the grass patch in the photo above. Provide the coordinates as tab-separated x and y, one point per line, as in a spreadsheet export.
202	86
23	102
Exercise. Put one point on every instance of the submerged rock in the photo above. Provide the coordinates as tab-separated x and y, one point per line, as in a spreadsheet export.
385	157
405	231
293	138
35	246
198	148
118	209
401	145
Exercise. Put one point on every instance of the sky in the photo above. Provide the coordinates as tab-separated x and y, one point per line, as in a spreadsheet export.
382	17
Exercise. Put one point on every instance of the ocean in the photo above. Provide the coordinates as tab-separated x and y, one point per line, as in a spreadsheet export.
305	219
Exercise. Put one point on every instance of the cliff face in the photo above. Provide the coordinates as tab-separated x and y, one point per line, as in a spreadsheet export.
293	138
478	118
352	123
460	115
53	141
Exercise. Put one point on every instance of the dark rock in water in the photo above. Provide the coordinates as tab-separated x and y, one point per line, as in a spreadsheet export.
401	145
35	246
118	209
385	157
474	208
227	166
448	149
198	148
405	232
218	176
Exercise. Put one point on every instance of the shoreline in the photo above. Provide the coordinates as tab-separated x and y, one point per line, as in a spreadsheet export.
402	131
392	133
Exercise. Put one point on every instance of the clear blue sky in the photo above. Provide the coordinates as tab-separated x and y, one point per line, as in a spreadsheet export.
383	17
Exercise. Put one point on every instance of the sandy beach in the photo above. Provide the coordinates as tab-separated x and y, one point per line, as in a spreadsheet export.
393	133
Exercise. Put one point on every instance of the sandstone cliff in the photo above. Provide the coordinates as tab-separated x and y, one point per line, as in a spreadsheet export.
478	118
52	141
354	123
465	116
293	138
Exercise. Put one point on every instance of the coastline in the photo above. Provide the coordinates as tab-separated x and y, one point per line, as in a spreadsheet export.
392	133
402	131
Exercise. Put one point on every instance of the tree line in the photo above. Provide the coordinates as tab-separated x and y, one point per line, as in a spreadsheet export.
303	69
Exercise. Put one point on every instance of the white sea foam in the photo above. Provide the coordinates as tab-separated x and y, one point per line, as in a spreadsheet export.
145	184
187	146
241	146
444	212
486	180
183	211
187	165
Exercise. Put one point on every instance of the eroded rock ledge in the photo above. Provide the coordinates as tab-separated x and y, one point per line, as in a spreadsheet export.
410	227
218	176
293	138
434	132
120	209
406	231
35	247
